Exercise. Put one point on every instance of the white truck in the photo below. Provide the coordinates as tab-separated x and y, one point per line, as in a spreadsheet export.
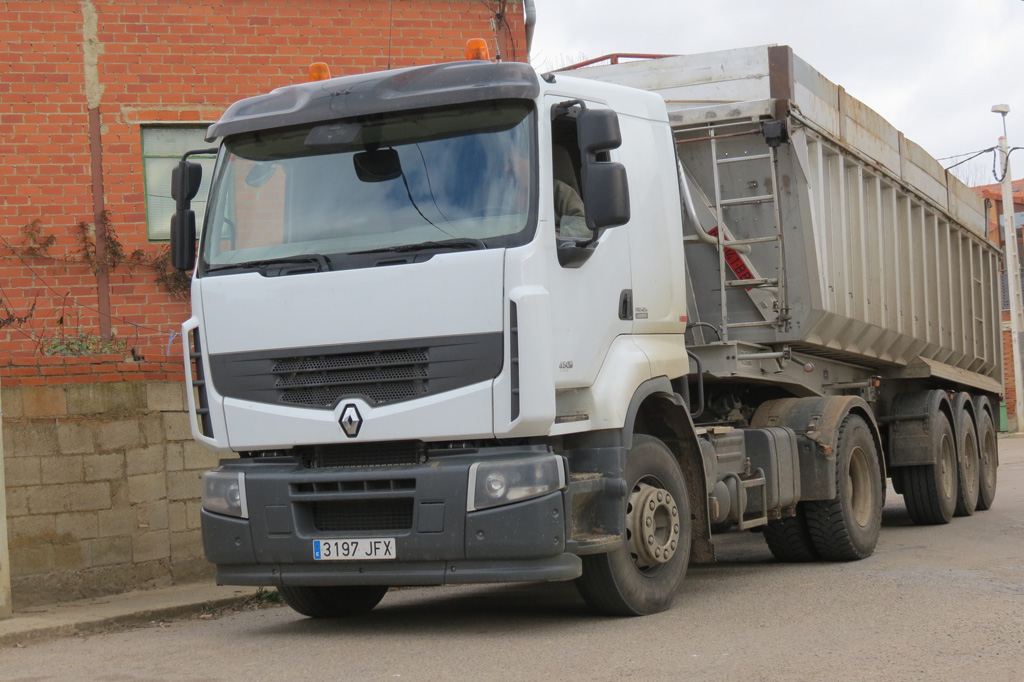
468	323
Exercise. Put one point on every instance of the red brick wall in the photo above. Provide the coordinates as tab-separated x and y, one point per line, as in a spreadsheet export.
156	61
41	370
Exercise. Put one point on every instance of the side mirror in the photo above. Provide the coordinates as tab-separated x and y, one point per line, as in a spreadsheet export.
597	130
183	240
605	188
185	181
186	178
605	194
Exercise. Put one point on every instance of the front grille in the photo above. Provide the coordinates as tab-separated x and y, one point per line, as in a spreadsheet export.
348	486
417	355
355	515
379	373
362	455
381	377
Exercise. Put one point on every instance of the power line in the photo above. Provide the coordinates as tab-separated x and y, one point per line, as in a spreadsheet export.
997	174
957	156
972	156
1006	164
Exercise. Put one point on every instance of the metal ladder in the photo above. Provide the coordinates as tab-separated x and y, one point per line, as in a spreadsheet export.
759	515
768	294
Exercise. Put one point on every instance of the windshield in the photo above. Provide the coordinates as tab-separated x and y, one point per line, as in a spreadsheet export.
456	178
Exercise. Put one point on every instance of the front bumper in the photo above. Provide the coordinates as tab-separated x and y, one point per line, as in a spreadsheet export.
561	567
422	506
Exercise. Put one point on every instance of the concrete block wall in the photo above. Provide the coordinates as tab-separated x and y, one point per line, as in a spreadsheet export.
5	564
103	489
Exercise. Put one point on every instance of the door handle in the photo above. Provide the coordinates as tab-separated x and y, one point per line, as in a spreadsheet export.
626	304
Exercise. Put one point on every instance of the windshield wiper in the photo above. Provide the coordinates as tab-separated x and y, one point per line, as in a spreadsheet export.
460	243
320	260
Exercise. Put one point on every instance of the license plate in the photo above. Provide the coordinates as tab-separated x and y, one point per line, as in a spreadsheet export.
358	549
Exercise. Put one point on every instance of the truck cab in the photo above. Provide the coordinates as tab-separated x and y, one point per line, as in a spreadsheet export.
429	375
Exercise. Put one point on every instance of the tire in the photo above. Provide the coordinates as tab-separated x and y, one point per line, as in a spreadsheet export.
897	482
988	456
635	579
332	602
968	467
846	528
930	490
789	540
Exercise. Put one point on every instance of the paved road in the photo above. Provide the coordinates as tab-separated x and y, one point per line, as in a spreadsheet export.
937	603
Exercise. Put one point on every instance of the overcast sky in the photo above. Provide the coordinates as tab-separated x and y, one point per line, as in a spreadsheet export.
933	68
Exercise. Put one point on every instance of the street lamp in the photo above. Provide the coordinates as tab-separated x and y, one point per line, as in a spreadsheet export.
1012	272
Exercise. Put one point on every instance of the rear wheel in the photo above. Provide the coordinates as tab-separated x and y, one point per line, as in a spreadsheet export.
988	460
789	539
967	467
847	527
930	490
333	601
643	574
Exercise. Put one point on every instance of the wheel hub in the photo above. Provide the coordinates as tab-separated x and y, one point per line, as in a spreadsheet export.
947	466
652	519
971	463
859	484
988	461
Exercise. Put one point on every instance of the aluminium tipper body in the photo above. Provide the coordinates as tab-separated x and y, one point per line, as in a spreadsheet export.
853	242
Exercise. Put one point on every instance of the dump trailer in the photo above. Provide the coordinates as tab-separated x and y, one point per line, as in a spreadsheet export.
467	323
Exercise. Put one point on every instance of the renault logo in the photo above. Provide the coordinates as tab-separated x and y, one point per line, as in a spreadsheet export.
351	420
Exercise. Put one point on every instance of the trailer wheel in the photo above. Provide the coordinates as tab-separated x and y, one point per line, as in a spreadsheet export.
968	466
988	460
847	527
789	540
930	490
333	601
642	575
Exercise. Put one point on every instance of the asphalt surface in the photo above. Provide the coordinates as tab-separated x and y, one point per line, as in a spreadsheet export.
101	614
933	603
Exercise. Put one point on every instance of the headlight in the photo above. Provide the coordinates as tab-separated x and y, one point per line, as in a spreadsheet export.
224	493
492	484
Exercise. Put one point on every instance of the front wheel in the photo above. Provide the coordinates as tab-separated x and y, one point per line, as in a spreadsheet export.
333	601
642	575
